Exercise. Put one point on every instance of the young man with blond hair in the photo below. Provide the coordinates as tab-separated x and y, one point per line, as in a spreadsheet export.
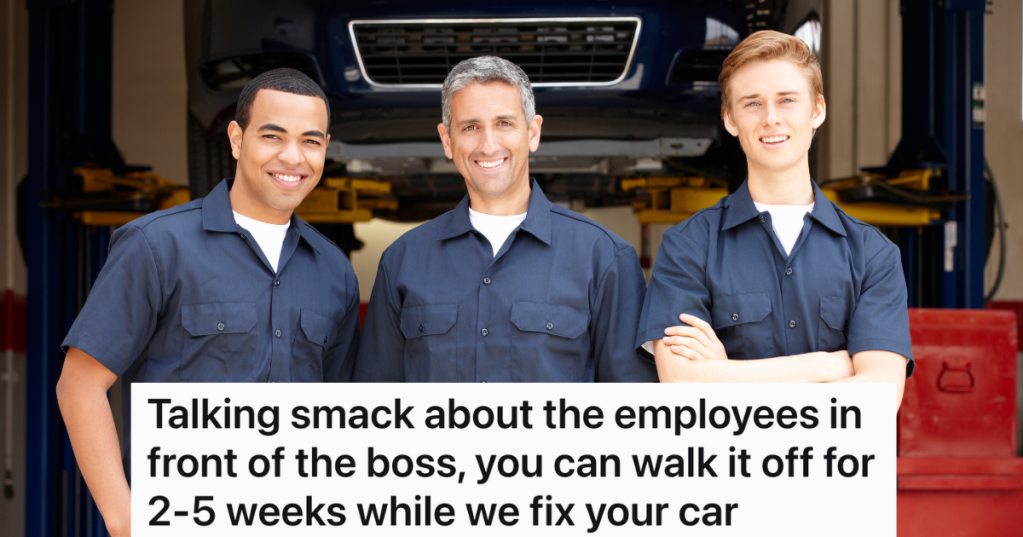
775	283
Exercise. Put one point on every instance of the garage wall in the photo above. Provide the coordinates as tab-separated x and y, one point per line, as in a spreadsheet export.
861	57
13	166
862	82
1004	135
149	87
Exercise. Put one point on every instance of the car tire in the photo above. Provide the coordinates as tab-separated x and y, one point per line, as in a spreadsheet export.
209	158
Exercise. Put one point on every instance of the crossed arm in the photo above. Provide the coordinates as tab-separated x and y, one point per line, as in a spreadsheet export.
694	353
82	396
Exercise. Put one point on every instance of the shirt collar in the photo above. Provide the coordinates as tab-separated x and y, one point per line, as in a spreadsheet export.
739	209
217	214
825	212
537	222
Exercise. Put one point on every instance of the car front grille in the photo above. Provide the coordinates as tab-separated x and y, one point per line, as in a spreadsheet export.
553	52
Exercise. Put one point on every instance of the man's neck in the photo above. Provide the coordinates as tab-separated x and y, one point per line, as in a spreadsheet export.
244	205
507	204
792	187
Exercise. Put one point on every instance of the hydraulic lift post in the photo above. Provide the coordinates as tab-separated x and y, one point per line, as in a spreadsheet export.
70	65
943	129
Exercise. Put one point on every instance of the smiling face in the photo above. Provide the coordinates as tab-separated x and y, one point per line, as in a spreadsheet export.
774	115
280	154
490	142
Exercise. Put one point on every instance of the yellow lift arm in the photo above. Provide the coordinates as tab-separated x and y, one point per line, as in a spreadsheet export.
335	200
674	199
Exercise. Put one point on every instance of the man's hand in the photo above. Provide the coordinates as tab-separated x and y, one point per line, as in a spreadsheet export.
879	366
698	341
836	366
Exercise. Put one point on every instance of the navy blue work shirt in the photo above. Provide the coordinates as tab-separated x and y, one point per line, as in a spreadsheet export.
841	286
186	295
558	303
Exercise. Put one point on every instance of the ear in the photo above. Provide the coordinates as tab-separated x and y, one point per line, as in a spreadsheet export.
534	132
319	177
445	139
234	134
729	126
819	112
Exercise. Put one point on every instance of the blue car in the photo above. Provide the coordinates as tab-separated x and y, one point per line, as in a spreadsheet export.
625	90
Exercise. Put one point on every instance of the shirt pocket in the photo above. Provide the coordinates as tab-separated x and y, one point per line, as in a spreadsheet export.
743	325
553	344
833	324
430	339
219	344
310	346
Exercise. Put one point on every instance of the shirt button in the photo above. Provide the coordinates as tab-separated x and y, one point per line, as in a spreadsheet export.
220	326
277	283
735	317
277	333
484	332
324	340
486	281
421	328
550	326
788	271
763	219
792	324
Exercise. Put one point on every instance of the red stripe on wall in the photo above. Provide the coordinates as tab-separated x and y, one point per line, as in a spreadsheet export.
1015	306
13	310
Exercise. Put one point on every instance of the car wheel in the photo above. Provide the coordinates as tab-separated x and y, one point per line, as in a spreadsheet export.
209	159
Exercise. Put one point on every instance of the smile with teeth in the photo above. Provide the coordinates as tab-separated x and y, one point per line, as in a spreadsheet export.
490	164
287	178
774	139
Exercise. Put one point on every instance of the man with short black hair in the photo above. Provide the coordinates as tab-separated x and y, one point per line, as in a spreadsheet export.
507	287
229	288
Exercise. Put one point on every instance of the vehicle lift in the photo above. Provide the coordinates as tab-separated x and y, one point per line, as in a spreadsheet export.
936	175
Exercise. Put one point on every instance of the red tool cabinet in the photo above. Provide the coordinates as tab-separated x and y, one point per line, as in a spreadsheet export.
958	474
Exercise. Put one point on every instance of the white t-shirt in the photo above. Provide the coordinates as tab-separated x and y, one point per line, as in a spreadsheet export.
269	237
787	221
495	228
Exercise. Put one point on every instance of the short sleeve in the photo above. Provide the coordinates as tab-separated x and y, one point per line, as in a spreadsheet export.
381	356
339	362
120	313
617	307
880	321
677	285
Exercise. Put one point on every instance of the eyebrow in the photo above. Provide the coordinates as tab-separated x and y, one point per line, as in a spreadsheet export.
755	95
474	120
277	128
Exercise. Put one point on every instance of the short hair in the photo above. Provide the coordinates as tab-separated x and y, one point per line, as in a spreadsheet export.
484	70
285	80
771	45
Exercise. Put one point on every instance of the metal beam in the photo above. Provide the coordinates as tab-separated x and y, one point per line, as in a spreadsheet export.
943	82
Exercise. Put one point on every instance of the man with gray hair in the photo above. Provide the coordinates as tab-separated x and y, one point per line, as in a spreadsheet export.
507	287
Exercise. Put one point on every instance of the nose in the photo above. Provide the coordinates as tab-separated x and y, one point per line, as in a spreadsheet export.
489	143
290	154
771	116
